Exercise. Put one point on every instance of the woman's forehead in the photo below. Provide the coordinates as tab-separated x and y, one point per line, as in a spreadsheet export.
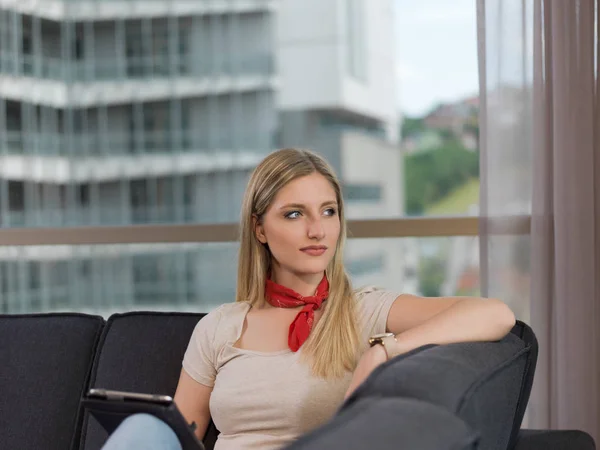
308	190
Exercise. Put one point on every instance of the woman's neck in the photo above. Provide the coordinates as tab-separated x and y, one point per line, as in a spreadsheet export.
305	285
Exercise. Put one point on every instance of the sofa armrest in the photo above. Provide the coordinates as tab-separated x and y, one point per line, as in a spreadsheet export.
479	382
378	423
554	440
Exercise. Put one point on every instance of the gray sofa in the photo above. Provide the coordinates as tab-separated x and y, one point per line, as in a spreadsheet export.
460	396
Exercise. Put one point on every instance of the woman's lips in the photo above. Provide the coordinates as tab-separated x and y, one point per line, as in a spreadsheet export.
314	250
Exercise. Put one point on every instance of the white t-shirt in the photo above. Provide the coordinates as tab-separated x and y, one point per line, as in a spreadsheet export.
265	400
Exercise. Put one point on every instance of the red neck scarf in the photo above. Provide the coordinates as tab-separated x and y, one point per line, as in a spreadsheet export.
282	297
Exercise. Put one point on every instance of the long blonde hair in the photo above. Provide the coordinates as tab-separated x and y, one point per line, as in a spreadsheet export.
333	344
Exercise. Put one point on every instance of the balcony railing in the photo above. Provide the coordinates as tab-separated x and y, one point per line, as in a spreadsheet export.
228	232
100	216
208	4
134	67
97	144
54	297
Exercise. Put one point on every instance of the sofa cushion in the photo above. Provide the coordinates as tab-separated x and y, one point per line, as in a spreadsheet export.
554	440
478	381
139	352
526	334
390	423
46	361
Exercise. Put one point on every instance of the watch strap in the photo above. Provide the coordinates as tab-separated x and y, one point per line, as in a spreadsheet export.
389	345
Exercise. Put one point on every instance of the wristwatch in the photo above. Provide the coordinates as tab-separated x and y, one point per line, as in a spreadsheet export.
385	339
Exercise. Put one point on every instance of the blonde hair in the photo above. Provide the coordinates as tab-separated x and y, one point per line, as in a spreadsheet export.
333	344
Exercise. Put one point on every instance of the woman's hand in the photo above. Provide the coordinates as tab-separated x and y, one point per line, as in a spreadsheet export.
371	359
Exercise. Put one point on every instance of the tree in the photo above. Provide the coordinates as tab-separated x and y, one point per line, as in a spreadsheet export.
432	175
411	126
432	276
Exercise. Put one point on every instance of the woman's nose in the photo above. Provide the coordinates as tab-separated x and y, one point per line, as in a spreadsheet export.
316	229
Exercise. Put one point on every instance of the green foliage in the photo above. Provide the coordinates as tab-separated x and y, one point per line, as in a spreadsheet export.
459	201
432	175
431	277
412	126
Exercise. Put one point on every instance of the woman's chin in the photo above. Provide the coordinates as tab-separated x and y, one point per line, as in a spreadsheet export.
312	270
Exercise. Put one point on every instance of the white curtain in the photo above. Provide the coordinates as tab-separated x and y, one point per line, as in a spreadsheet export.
540	156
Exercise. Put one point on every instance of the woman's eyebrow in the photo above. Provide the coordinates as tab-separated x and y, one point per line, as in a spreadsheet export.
302	206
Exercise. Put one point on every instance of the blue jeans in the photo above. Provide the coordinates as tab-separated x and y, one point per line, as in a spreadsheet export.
142	431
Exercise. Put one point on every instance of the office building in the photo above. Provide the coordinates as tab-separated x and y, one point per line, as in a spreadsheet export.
155	111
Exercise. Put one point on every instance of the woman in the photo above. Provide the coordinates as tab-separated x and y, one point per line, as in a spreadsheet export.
280	360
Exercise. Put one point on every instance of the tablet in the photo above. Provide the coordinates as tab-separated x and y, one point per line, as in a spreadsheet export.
110	408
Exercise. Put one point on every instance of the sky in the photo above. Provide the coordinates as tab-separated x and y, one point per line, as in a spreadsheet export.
436	53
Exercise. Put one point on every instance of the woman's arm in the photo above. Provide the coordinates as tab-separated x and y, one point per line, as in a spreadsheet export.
418	321
192	399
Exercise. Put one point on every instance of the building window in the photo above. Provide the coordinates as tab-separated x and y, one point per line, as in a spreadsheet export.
16	196
339	121
84	194
362	192
365	265
356	42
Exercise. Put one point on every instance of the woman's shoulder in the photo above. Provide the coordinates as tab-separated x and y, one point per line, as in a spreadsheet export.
221	319
361	291
365	293
372	294
227	308
225	313
373	306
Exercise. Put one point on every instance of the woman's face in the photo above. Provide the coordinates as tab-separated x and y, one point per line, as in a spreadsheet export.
301	227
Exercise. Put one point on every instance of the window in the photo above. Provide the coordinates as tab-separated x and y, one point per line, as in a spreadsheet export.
362	192
134	48
157	144
438	82
355	30
365	265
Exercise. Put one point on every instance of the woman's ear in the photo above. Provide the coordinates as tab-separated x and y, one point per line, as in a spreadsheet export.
259	230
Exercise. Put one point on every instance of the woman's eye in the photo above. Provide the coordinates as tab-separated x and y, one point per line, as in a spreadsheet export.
292	215
330	212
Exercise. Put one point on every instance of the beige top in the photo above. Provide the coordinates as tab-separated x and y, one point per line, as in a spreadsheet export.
264	400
